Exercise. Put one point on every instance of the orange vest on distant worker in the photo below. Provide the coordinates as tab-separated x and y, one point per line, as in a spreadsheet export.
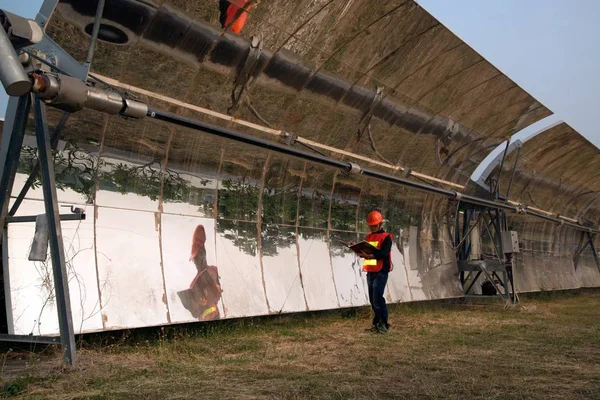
232	12
376	239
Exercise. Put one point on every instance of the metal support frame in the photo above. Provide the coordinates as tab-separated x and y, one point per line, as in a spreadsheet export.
496	267
57	253
589	241
30	339
31	218
10	151
96	29
36	168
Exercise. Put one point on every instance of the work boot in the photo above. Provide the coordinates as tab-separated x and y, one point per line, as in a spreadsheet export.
381	329
373	329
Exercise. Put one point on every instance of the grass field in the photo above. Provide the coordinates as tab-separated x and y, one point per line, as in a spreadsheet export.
547	348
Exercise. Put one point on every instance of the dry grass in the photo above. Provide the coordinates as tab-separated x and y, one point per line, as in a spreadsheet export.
548	349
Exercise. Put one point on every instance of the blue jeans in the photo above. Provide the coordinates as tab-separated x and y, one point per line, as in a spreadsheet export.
376	282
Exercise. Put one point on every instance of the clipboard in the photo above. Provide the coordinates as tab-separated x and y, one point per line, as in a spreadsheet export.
362	247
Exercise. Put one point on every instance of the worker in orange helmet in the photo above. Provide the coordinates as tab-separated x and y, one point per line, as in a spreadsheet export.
234	13
377	266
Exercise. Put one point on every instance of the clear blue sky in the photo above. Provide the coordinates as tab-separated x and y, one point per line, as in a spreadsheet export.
549	47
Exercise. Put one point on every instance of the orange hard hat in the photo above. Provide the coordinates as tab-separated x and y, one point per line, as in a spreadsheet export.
374	218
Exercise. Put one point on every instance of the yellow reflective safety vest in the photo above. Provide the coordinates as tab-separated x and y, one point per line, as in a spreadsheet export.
376	239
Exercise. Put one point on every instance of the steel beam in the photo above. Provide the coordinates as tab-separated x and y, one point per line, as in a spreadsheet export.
31	218
95	30
61	282
591	241
10	150
30	339
473	282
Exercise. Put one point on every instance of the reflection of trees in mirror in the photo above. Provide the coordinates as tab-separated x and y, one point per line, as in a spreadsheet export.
238	199
343	215
314	210
275	237
338	248
145	180
74	169
77	170
243	235
280	205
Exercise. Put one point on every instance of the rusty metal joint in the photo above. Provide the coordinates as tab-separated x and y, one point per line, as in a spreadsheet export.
288	138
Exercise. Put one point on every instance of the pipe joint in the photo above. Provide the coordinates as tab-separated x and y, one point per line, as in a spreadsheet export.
354	168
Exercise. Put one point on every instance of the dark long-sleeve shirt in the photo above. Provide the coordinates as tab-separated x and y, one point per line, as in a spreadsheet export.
384	252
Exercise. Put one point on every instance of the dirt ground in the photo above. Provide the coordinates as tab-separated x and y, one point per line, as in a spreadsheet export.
544	349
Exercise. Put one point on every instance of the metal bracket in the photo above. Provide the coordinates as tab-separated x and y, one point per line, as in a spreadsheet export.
288	138
365	120
243	80
31	218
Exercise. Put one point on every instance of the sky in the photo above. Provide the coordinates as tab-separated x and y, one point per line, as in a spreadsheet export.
548	47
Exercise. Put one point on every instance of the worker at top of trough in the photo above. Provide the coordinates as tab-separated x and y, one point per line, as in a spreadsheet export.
233	13
377	266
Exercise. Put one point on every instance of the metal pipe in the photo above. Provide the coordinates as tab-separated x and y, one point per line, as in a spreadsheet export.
95	31
291	151
270	131
72	94
345	166
405	182
240	137
13	76
488	203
